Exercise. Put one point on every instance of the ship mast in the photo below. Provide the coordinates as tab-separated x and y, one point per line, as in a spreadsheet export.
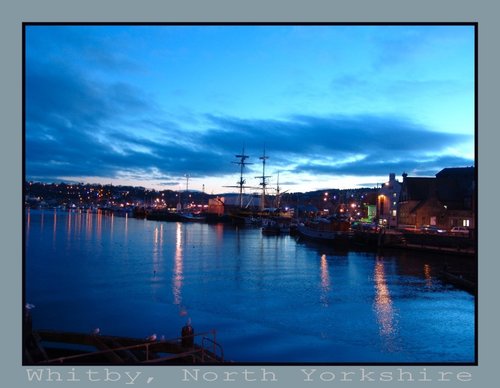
263	182
187	191
241	183
277	204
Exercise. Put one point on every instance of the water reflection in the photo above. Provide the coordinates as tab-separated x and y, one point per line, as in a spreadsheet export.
427	274
157	247
88	224
28	222
111	224
325	281
68	227
379	301
126	226
384	307
54	228
178	276
99	225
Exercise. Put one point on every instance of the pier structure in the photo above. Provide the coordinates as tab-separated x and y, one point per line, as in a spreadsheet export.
46	347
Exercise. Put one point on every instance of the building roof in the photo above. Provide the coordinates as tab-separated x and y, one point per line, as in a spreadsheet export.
457	172
455	184
416	189
454	187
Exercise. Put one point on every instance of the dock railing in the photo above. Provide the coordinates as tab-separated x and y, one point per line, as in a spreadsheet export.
215	346
150	350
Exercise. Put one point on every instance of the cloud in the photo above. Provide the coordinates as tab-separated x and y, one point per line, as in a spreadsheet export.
360	144
375	166
77	125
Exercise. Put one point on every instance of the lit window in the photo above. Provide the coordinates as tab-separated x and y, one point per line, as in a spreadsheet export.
466	223
394	212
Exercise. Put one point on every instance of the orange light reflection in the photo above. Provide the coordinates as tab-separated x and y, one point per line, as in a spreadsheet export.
384	306
427	274
54	227
325	280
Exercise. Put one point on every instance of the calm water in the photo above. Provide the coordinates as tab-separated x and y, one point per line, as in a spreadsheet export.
271	299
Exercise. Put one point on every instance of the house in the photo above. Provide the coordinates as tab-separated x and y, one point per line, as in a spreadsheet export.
456	188
447	200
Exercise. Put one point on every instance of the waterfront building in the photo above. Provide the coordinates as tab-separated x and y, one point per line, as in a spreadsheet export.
456	188
446	200
387	202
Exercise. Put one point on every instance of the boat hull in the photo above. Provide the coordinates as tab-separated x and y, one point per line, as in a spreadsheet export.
324	232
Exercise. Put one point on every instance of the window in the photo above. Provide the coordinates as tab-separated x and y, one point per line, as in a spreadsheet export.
381	205
466	223
394	212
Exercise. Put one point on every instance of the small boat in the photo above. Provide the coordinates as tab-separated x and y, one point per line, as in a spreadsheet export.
328	229
162	215
271	226
191	217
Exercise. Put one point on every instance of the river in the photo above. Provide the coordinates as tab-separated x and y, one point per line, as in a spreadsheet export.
271	299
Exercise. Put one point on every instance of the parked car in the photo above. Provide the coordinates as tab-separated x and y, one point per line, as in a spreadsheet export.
433	229
370	227
459	229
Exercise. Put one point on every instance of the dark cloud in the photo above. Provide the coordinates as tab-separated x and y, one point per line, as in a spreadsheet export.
376	143
57	93
78	126
86	47
375	166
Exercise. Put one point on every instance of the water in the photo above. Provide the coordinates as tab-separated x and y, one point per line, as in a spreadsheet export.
270	298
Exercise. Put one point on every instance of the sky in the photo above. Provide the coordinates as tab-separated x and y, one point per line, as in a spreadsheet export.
331	106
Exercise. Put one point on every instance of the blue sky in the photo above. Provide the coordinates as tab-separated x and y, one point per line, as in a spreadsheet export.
333	106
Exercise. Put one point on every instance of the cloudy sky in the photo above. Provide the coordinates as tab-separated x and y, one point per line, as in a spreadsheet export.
333	106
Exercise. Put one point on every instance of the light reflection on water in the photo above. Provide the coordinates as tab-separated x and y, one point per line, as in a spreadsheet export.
384	307
178	277
325	280
428	275
271	299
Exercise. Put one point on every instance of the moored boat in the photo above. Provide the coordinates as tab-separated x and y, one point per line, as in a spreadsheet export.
162	215
191	217
324	229
272	226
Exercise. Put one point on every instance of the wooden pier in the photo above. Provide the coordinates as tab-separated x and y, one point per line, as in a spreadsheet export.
45	347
